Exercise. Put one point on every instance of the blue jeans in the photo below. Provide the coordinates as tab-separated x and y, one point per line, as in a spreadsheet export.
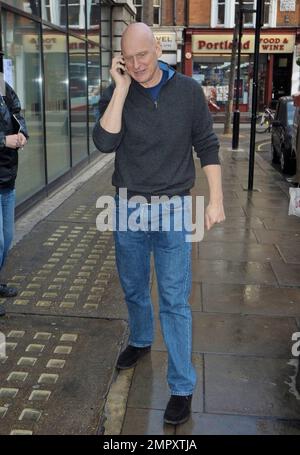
7	218
172	260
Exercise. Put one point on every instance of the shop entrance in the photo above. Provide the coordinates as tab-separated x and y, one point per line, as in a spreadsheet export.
282	76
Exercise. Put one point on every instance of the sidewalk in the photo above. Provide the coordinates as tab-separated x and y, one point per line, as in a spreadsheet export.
68	324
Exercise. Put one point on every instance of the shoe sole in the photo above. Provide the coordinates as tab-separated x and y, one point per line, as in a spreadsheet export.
177	422
134	364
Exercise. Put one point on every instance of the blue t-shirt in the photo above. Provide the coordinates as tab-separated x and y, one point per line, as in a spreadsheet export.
154	91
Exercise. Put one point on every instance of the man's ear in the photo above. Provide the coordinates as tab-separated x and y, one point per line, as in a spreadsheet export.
158	49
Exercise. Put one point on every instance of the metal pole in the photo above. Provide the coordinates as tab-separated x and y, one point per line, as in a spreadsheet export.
236	114
259	23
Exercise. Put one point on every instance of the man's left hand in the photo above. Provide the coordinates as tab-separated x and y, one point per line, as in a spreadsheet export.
214	213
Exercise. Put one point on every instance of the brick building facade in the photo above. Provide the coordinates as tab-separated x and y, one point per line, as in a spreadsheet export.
197	35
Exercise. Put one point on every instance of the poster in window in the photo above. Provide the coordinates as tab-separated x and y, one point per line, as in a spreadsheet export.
287	5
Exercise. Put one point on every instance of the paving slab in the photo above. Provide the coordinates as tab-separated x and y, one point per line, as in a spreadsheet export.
275	237
146	422
225	234
289	253
288	224
251	386
235	272
237	251
56	374
222	424
238	334
149	389
251	299
287	274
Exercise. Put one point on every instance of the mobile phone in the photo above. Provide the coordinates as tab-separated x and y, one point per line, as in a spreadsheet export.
121	71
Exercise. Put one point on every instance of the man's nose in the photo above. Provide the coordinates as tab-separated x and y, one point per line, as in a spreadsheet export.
136	63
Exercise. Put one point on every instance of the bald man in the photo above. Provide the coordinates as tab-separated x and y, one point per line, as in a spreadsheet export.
151	116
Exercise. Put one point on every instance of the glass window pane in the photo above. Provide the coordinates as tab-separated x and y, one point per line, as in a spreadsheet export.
105	46
213	74
77	15
93	13
78	93
29	6
156	14
221	15
56	105
94	87
55	11
23	72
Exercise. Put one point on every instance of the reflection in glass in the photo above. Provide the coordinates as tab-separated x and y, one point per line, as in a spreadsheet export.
55	11
22	70
56	106
78	93
77	14
94	87
105	45
29	6
213	74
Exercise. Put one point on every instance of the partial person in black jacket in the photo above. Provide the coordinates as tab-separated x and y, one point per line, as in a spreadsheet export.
13	135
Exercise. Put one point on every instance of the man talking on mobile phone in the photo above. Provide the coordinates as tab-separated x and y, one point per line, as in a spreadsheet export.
152	116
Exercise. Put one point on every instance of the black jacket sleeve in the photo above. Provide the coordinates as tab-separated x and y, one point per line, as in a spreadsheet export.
204	139
14	106
104	141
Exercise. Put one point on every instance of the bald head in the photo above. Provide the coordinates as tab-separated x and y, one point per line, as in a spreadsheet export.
137	32
141	52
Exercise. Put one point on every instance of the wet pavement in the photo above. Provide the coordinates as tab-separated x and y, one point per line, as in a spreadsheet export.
66	327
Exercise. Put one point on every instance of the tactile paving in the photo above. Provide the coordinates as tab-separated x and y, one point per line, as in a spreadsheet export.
58	389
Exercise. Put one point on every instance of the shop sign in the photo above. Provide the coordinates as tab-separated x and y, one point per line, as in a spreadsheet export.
57	43
287	5
222	44
167	41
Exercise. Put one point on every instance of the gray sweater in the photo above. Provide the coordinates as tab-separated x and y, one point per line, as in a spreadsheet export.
154	147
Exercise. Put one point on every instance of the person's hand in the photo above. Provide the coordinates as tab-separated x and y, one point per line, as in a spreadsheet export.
296	99
22	140
214	213
12	141
122	81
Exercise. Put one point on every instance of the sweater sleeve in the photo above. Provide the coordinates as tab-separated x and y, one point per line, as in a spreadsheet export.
104	141
204	139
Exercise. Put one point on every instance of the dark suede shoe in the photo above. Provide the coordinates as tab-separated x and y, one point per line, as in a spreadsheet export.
130	356
6	291
178	409
2	310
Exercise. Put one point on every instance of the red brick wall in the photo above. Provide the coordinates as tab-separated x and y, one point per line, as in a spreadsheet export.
199	12
168	12
292	16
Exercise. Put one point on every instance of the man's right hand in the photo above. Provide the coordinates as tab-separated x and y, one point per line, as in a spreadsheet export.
12	141
122	81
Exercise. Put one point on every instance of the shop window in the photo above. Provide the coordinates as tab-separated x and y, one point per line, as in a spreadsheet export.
56	102
139	10
156	12
22	70
212	72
